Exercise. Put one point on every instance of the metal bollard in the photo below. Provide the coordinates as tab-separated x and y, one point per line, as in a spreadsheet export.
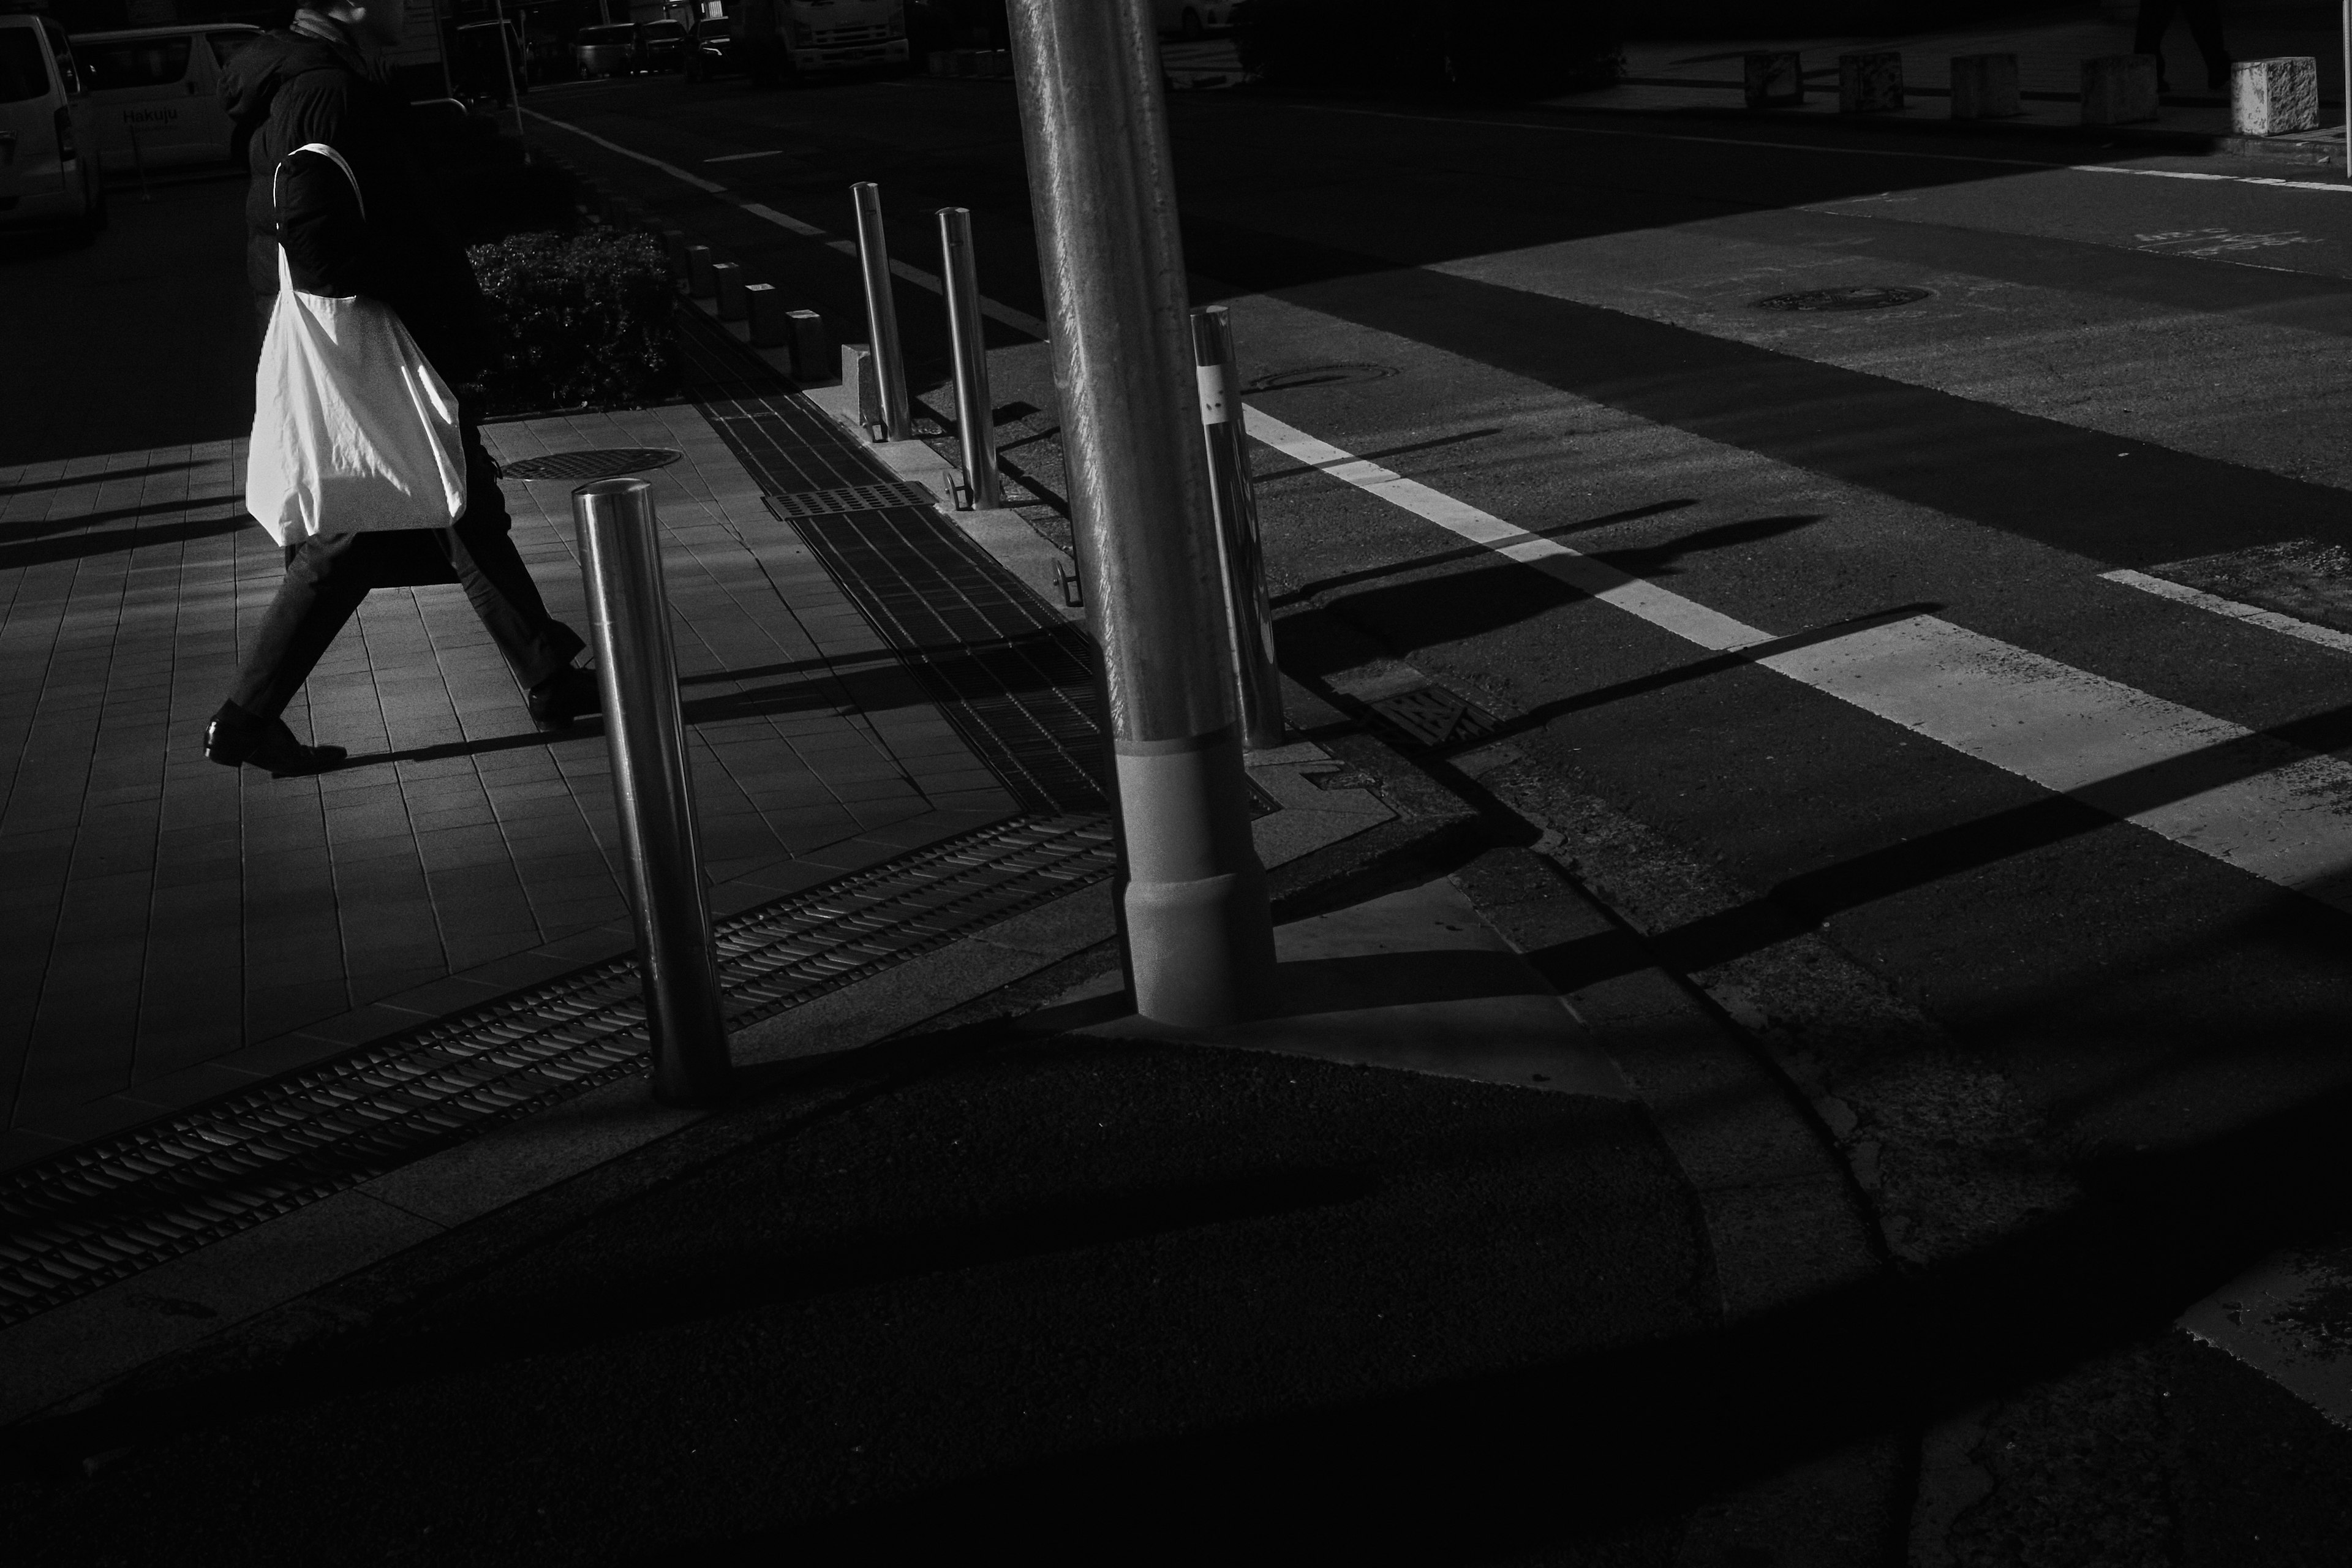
898	420
653	791
975	420
1239	545
700	282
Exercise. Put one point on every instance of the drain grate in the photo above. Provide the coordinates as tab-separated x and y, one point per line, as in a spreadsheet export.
1433	716
1866	296
849	498
106	1211
597	463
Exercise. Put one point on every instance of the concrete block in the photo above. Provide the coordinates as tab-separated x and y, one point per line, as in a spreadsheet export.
1870	82
764	308
1774	78
1000	62
700	282
1984	87
673	244
938	62
727	284
2119	90
815	360
857	376
2275	97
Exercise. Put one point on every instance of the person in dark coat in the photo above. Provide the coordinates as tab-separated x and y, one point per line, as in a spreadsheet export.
2204	26
320	82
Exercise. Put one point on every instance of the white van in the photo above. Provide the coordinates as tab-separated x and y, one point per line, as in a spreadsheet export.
157	92
46	129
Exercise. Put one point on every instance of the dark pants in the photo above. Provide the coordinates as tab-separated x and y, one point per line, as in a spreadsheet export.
2204	26
326	578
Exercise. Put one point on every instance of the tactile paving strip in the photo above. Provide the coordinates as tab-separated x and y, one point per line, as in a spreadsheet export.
850	498
104	1212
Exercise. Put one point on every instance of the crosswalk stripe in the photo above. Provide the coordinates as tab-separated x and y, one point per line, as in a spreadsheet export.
2206	783
2269	620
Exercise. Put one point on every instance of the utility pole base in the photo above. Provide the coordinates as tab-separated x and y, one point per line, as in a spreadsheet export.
1200	942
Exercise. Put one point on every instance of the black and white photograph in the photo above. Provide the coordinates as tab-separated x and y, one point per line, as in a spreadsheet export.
1553	783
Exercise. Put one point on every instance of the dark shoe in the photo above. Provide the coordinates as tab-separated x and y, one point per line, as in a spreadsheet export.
236	738
562	699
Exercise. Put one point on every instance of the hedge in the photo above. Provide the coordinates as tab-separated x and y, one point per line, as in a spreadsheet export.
585	319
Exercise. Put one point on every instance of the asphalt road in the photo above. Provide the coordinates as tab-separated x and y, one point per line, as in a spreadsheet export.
2032	1005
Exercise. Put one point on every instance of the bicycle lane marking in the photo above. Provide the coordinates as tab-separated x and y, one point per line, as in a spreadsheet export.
2245	799
1019	320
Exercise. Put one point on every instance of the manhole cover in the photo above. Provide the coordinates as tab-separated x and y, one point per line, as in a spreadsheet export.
1434	716
1864	297
603	463
1320	375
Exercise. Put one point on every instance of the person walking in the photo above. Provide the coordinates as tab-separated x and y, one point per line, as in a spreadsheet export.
2204	26
320	80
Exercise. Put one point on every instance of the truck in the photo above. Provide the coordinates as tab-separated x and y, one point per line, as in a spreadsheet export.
805	37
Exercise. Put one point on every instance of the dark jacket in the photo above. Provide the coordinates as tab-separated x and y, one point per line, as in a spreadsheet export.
286	88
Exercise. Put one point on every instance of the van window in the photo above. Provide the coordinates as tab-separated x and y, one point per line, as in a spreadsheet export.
63	51
135	62
227	44
22	75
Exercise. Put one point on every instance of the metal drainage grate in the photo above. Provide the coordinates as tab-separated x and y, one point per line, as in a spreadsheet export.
850	498
603	463
1866	296
1433	716
102	1213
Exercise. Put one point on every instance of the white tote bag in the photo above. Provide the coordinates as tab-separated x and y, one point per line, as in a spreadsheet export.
353	430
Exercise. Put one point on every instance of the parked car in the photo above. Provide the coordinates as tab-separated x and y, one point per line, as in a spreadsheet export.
155	92
661	46
713	47
607	51
49	133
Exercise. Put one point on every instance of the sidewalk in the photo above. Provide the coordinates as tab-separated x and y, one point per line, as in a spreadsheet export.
300	1058
1683	75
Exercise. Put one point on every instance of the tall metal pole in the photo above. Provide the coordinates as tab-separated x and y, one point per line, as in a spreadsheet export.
974	418
620	549
1247	610
1192	903
514	93
2347	86
882	314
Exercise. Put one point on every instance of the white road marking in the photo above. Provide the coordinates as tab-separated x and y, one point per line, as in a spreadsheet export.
741	157
2340	187
2206	783
2269	620
1019	320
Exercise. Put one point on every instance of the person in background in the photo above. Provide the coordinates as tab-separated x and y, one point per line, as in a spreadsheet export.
322	81
2204	26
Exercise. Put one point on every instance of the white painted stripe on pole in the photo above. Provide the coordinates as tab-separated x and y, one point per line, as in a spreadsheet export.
2268	809
1019	320
2269	620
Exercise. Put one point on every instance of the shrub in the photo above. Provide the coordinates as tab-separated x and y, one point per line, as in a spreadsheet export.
585	319
1516	46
